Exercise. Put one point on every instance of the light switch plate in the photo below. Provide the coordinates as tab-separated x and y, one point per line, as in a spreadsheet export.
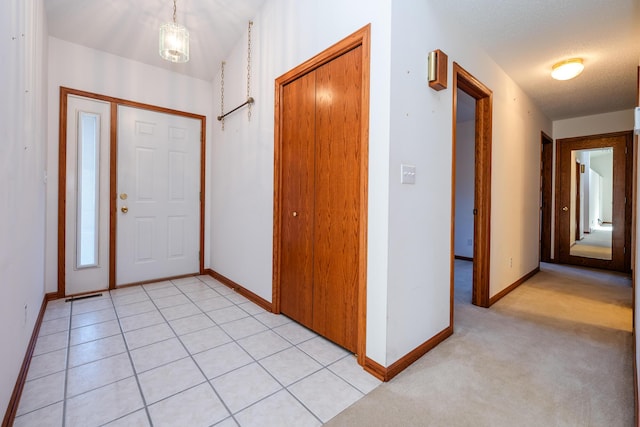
408	174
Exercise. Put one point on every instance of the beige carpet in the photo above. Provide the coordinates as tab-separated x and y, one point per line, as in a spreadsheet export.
557	351
596	244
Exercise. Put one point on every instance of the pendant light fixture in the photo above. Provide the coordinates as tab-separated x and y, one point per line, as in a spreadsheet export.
174	40
568	69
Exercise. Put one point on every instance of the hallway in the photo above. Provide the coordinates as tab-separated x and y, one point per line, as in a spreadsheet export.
557	351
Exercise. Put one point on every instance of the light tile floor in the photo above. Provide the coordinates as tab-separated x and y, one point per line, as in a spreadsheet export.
186	352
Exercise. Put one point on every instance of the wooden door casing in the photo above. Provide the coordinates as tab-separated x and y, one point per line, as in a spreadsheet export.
577	204
62	176
339	223
546	191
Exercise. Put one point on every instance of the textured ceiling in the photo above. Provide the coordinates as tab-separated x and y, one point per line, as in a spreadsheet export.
525	37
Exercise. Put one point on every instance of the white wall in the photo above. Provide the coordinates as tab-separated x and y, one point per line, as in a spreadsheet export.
616	121
603	165
285	34
409	225
595	208
79	67
465	187
421	131
23	121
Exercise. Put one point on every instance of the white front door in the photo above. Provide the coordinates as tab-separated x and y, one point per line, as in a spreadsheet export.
87	196
158	195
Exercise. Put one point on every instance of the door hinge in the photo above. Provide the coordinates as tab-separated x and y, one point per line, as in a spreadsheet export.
625	150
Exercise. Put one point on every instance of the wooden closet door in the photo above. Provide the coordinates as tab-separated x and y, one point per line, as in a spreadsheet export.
337	199
297	186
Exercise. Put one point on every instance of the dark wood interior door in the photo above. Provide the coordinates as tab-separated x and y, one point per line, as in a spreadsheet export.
546	191
621	145
321	199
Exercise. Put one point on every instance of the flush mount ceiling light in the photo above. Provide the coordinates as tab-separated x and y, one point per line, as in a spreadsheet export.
174	40
568	69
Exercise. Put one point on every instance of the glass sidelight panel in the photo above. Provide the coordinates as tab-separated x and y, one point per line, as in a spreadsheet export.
88	190
591	208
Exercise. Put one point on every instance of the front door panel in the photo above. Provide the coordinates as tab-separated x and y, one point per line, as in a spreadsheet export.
158	195
87	196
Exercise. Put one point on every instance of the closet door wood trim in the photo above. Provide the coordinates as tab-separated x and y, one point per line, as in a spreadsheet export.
359	38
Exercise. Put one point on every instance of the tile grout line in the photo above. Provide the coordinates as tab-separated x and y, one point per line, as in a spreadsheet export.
133	368
66	369
292	345
206	380
48	374
250	314
257	361
323	366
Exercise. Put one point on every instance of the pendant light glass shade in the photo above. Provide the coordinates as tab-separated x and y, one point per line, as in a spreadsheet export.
174	42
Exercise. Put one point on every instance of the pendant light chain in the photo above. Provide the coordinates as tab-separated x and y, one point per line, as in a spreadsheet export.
249	68
174	11
222	94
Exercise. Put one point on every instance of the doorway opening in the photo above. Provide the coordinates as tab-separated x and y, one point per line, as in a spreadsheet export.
472	101
594	201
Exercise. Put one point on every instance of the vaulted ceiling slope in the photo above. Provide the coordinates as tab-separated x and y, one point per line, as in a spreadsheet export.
525	37
129	28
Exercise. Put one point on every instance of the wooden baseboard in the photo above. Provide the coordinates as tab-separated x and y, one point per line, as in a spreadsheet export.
12	408
51	296
463	258
497	297
635	383
386	374
241	290
375	369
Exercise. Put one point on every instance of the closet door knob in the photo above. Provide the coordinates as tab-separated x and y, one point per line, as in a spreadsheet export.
295	213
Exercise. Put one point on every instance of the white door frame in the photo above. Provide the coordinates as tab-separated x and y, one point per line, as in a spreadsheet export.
62	141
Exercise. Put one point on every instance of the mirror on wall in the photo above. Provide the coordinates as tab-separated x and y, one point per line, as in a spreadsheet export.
591	208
